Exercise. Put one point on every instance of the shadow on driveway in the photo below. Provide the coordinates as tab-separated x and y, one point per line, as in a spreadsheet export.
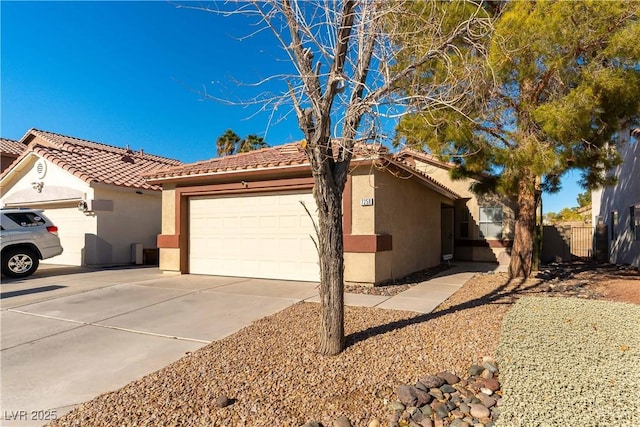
4	295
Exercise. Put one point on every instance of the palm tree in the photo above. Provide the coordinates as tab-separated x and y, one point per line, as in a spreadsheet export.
250	143
226	143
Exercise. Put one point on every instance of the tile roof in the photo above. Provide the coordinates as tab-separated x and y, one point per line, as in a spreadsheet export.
291	154
284	155
95	162
9	146
421	155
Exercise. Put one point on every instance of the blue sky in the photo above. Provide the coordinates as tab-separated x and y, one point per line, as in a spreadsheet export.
135	73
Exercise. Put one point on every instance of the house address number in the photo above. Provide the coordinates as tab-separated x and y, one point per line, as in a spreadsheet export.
366	202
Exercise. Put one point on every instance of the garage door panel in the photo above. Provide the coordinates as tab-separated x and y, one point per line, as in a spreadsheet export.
263	236
72	226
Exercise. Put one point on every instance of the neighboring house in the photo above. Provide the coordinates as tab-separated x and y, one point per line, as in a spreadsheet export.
242	215
94	194
10	150
618	206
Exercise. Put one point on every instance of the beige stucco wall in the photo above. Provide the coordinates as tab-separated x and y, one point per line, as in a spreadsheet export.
360	268
473	204
169	210
404	208
362	187
410	212
169	257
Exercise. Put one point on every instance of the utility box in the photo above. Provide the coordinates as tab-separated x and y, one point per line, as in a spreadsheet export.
137	257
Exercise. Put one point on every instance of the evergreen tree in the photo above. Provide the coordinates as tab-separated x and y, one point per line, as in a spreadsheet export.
565	78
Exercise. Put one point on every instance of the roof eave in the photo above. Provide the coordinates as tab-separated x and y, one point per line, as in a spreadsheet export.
16	165
236	172
429	183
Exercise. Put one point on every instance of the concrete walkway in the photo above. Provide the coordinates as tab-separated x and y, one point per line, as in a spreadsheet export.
425	296
71	334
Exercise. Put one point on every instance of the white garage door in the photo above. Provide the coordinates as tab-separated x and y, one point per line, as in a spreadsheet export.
71	225
266	236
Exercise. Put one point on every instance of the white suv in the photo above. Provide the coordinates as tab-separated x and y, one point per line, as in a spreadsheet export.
27	236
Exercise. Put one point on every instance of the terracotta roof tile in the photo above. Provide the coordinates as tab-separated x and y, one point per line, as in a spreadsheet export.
291	154
96	162
9	146
407	152
283	155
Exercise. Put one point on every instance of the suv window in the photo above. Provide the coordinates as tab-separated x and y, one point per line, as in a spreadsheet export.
26	219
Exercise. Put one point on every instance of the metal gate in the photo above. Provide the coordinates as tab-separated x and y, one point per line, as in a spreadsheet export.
582	242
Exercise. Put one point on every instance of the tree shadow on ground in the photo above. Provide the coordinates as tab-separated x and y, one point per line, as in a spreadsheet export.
501	295
506	293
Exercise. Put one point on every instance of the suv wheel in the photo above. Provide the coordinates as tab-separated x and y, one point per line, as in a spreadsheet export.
19	262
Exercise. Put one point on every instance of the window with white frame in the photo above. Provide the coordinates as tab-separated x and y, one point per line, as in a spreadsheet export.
634	214
491	222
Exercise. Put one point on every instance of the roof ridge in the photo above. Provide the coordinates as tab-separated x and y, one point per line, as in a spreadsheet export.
428	156
47	133
72	140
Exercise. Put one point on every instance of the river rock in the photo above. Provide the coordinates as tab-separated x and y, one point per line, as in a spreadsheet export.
410	395
479	411
475	370
486	400
449	377
432	381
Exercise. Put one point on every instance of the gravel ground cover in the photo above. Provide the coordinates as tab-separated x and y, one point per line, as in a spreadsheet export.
274	377
272	371
570	362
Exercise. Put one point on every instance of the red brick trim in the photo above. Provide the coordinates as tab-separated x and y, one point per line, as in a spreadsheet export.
168	241
246	187
368	243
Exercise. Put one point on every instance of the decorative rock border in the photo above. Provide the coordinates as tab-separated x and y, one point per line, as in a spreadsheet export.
443	400
446	400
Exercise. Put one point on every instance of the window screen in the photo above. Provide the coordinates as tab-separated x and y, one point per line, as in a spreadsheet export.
491	222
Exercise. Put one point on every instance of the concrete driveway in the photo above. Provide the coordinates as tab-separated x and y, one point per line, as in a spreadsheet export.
70	334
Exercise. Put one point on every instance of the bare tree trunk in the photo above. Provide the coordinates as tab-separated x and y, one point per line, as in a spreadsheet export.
328	195
522	251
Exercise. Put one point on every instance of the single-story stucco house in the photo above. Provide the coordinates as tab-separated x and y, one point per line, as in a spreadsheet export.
618	206
93	193
243	215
